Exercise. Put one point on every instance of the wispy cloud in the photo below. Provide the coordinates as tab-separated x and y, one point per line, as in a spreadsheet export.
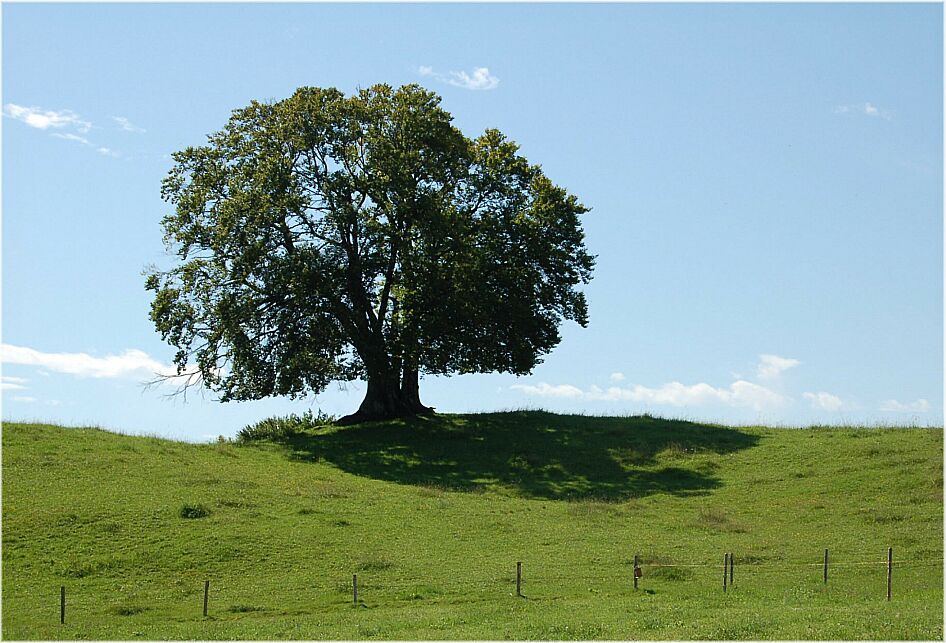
61	120
131	363
919	406
10	383
866	109
127	126
46	119
26	399
771	366
72	137
617	377
84	141
824	401
479	79
739	393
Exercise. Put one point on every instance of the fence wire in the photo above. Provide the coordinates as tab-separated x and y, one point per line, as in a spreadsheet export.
329	593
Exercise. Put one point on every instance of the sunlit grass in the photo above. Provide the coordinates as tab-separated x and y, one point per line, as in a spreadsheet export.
433	514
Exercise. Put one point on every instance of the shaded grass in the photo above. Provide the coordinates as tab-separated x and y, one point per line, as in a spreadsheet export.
533	454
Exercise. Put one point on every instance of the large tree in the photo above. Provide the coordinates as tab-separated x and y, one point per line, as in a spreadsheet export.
329	238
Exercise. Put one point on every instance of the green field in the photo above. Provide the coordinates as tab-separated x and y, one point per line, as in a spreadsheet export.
433	515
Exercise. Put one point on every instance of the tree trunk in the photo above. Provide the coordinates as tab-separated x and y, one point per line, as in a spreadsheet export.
393	384
382	401
410	392
389	399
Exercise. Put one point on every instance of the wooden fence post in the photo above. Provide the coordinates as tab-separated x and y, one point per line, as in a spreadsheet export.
636	567
206	593
825	566
889	569
519	578
725	570
354	589
730	567
62	605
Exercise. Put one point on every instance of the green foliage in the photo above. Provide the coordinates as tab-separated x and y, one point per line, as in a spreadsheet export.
280	429
427	514
327	238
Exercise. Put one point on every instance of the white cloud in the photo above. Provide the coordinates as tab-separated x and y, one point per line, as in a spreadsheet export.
867	109
758	397
10	383
127	126
824	401
106	151
547	390
23	398
739	393
919	406
479	79
128	364
46	119
771	366
617	377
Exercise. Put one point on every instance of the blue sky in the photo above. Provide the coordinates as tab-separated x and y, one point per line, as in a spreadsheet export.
765	184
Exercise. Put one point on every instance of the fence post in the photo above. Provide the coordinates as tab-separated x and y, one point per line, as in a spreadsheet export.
519	578
725	569
730	567
636	567
889	569
206	593
62	604
825	566
354	589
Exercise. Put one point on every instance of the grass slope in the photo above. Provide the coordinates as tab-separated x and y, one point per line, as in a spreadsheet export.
433	514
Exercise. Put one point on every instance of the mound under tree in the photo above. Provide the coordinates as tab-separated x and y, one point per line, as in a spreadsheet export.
326	238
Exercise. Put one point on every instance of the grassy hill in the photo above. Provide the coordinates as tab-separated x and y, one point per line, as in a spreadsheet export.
433	514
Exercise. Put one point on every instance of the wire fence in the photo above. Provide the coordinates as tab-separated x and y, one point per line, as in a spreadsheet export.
329	592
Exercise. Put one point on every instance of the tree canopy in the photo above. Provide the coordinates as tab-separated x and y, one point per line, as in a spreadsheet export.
327	238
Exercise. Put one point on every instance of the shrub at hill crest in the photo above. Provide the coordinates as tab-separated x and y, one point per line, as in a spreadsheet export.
329	238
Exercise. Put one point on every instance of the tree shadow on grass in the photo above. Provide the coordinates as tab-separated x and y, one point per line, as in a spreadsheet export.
534	453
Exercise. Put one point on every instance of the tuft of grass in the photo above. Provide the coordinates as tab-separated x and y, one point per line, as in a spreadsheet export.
430	491
670	573
375	565
660	567
193	511
716	519
589	507
90	566
282	429
675	450
236	504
